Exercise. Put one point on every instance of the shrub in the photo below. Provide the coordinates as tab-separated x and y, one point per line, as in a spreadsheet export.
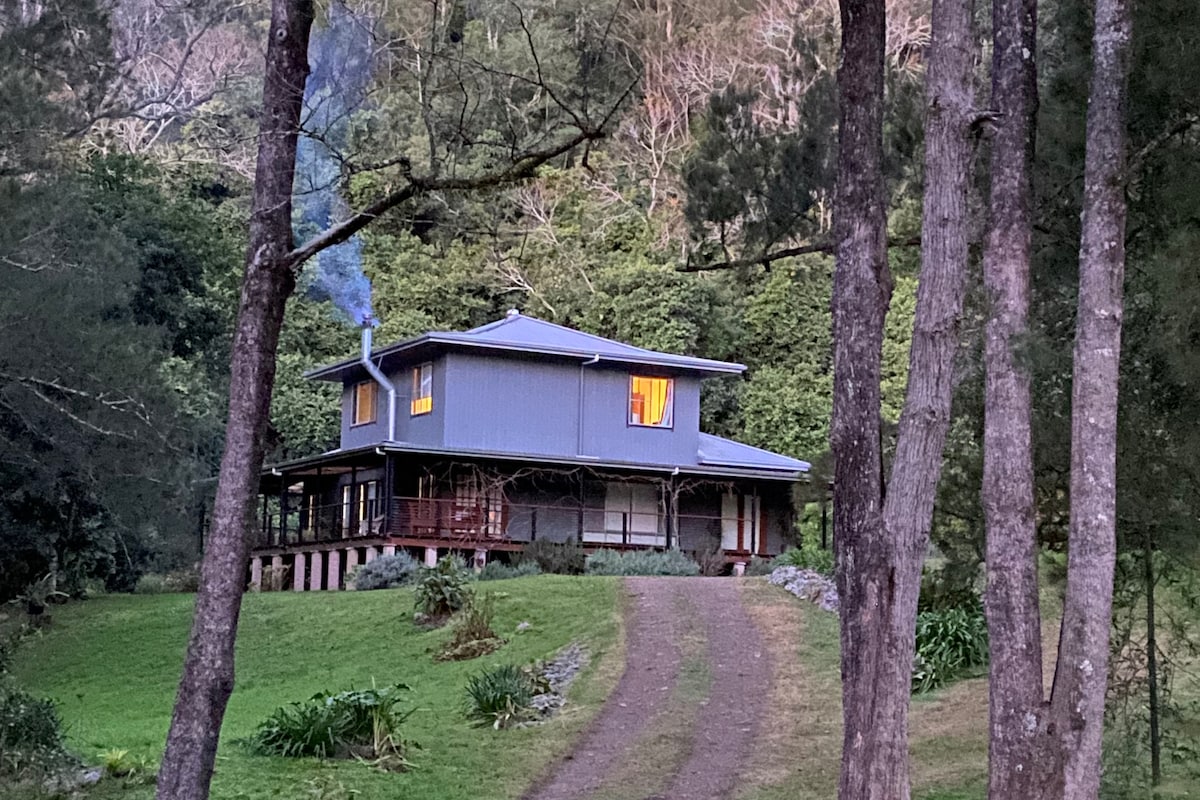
28	723
806	556
558	558
179	581
443	589
473	634
498	570
276	579
500	696
151	583
641	562
362	723
386	572
950	642
710	561
31	734
759	566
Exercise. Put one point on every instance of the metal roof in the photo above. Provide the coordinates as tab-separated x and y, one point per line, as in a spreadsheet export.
725	452
517	333
717	457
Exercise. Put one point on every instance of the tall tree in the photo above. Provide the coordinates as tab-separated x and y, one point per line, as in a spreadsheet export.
1011	596
883	535
1080	681
207	680
272	260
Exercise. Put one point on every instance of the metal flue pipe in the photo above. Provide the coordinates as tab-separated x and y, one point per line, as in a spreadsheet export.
376	373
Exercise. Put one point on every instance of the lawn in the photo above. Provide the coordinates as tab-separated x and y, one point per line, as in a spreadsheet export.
113	664
798	758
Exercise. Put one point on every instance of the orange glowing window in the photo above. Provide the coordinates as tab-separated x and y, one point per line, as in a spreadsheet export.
422	389
364	403
651	401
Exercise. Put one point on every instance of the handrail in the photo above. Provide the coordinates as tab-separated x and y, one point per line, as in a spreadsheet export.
475	519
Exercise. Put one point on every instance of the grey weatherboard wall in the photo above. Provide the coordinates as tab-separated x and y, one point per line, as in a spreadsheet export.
532	406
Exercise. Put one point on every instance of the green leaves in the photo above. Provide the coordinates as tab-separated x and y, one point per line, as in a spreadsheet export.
950	643
359	722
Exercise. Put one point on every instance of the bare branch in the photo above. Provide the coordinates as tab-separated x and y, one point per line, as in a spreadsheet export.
766	259
523	167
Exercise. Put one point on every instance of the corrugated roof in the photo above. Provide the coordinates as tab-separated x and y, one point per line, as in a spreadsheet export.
522	334
768	466
727	453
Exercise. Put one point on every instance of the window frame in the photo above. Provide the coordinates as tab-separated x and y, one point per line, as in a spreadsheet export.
355	404
418	383
668	414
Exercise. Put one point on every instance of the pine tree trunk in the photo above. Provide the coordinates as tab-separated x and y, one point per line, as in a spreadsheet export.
881	544
1022	762
1077	703
207	680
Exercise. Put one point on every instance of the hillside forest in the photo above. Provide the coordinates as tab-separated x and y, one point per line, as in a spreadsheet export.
693	212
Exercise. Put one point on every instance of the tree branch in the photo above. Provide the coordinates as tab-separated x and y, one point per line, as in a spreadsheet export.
766	259
523	167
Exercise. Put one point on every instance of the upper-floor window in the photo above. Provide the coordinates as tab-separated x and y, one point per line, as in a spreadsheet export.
651	401
422	389
364	403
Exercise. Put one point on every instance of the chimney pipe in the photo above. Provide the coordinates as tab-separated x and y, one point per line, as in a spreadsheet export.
376	373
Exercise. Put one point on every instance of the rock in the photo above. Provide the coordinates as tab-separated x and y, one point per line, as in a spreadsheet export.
557	673
808	585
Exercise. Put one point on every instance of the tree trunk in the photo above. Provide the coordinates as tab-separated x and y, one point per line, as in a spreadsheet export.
881	543
207	681
1077	702
1016	700
862	288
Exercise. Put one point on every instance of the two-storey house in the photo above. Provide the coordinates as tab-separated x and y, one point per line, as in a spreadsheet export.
519	430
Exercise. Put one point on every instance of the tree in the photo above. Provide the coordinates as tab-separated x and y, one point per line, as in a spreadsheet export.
272	260
1011	595
882	535
1080	681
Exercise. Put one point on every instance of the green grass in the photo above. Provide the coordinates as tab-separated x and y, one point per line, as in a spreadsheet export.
947	727
113	665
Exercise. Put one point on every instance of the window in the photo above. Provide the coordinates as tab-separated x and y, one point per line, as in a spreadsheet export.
422	389
364	403
651	401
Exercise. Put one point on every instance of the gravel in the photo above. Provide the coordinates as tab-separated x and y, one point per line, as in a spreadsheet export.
808	585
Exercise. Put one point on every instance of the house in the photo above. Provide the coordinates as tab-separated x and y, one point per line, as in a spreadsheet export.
520	430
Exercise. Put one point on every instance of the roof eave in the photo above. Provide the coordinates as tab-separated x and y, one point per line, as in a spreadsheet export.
702	469
702	366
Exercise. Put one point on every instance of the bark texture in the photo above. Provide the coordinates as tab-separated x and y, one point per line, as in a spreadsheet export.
1077	702
207	680
1022	763
862	288
882	542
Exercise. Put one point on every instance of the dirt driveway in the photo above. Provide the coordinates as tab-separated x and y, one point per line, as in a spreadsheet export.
685	715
